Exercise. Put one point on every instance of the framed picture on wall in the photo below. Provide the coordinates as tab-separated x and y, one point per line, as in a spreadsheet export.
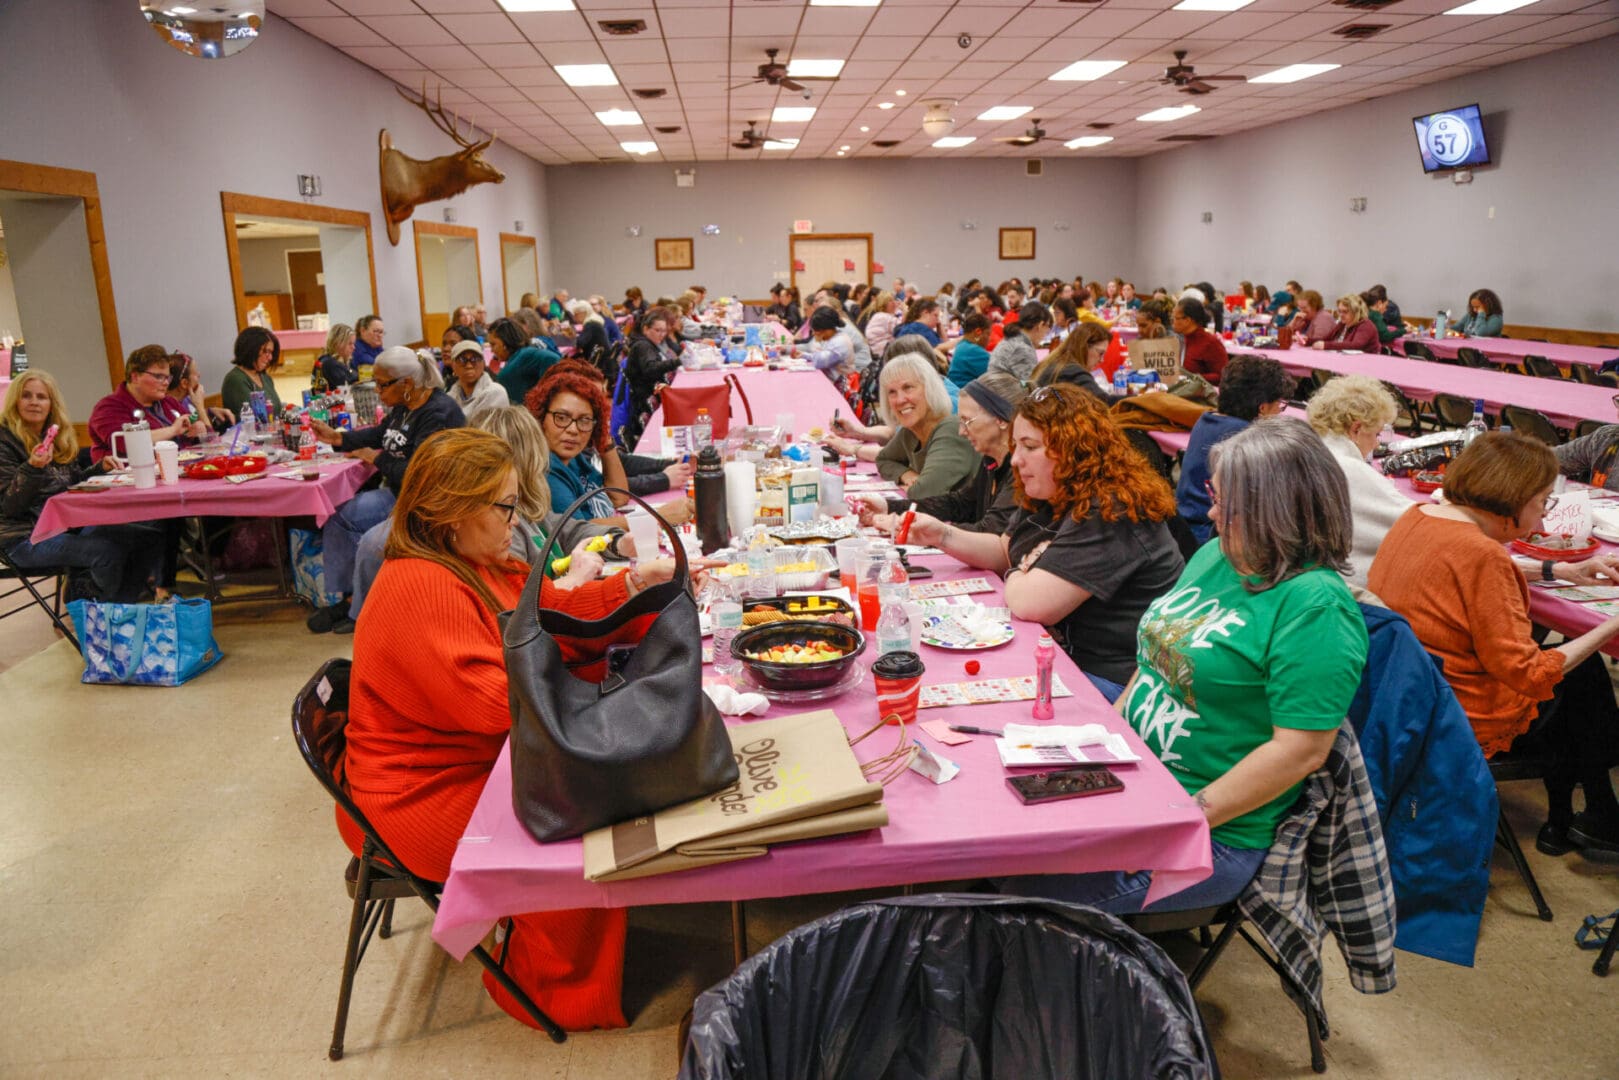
1017	243
675	254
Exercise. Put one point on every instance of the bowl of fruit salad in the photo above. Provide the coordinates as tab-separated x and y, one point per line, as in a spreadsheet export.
797	655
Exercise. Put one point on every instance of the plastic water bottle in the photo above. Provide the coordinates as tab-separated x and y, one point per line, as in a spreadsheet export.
1121	377
702	431
761	574
1045	656
894	624
726	616
1441	324
250	426
1475	427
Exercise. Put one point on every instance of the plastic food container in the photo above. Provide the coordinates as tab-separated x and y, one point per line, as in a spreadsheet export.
799	568
785	676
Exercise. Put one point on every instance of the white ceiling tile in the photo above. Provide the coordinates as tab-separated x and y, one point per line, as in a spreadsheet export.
290	9
481	29
499	95
571	52
379	7
437	7
380	57
642	50
547	27
883	48
905	21
765	20
510	56
342	31
410	29
530	76
1008	48
476	79
440	57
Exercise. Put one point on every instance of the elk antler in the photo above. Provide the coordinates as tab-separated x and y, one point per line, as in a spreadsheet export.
435	113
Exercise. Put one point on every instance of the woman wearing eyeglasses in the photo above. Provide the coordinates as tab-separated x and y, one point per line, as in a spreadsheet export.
1444	568
256	353
422	738
1088	547
144	395
573	411
410	388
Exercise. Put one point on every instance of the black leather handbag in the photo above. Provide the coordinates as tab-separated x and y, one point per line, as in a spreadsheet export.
586	755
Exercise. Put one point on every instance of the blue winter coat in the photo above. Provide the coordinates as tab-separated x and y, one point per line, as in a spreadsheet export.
1433	790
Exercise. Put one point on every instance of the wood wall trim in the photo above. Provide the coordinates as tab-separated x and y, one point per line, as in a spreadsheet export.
534	249
433	228
73	183
232	203
792	254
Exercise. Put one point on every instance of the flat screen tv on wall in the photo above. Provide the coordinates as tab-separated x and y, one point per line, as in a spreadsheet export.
1452	139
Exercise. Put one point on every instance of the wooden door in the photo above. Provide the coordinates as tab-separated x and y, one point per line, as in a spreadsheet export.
827	257
306	274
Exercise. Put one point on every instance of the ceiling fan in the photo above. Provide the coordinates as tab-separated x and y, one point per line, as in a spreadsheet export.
1183	77
751	139
1028	138
774	73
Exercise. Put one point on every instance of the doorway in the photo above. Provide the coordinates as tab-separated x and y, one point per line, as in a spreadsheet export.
58	282
448	273
519	269
840	257
306	266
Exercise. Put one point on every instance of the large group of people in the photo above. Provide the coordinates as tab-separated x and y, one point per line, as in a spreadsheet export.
1219	613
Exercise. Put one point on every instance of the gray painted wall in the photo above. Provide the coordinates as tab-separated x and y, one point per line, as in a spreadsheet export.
165	133
264	262
914	210
1280	198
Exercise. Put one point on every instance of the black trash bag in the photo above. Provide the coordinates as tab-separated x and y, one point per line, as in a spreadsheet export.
950	987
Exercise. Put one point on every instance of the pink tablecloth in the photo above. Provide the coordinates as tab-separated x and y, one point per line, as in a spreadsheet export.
1513	350
1175	442
270	497
808	395
301	339
1563	402
971	827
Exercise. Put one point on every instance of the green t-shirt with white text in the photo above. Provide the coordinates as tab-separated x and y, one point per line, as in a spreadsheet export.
1220	667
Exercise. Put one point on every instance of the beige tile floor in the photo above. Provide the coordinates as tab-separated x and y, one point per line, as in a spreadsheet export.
169	876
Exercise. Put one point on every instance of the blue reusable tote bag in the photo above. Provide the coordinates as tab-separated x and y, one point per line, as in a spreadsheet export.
145	644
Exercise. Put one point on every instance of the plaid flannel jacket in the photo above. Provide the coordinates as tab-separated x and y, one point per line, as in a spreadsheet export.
1328	869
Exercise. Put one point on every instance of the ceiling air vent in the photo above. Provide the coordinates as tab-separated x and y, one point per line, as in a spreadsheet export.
1366	5
1098	127
650	94
885	143
622	27
1361	31
1187	138
670	130
1033	167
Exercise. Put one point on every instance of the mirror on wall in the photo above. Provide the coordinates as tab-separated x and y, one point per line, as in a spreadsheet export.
208	30
519	268
447	274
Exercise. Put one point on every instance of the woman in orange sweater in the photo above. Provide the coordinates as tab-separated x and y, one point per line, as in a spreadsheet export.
1444	569
422	737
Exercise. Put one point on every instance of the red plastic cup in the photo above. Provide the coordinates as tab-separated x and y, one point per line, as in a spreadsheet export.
898	676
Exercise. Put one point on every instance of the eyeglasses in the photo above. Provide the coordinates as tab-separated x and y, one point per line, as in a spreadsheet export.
1043	393
1214	496
1616	401
383	384
509	507
158	374
563	421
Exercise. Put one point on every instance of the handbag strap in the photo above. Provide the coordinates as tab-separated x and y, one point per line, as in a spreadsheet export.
746	407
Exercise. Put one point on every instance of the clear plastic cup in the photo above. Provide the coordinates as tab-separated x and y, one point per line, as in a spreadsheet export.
644	531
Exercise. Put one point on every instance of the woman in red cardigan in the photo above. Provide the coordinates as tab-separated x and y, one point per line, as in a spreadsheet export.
428	710
1354	329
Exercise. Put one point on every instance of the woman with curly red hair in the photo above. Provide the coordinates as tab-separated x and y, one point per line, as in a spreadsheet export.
1089	548
574	411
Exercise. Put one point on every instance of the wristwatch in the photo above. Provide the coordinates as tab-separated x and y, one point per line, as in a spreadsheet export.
1546	570
613	538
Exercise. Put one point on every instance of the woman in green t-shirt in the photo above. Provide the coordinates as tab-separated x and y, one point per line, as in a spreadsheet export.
1246	667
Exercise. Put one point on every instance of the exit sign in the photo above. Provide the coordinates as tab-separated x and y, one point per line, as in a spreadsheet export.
803	226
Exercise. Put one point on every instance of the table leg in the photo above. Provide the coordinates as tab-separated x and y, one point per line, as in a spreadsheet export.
739	932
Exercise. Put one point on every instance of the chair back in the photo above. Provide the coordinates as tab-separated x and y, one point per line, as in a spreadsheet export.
1471	357
1586	427
1408	409
1037	988
1583	373
1416	350
1531	422
320	716
1541	367
1454	411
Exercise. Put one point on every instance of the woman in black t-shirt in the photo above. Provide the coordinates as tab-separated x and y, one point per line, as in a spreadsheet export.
1088	549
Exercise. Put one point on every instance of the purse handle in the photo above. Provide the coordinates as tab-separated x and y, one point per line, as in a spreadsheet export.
681	567
737	384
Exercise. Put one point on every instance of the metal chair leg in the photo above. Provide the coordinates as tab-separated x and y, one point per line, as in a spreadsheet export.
52	607
387	919
548	1025
351	956
739	932
1507	839
1605	957
1212	952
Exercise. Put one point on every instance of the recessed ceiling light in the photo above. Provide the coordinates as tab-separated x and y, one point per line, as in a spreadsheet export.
1006	112
1293	73
537	5
885	104
1087	140
813	69
181	11
1086	70
899	93
619	117
841	149
1488	7
840	153
1172	112
1212	5
844	3
780	144
792	114
863	127
954	142
640	147
586	74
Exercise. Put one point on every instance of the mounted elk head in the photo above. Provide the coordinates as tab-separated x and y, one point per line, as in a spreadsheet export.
407	182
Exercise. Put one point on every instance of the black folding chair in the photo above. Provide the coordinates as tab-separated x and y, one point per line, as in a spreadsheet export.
1541	367
29	581
1586	427
1503	771
377	878
1471	357
1416	350
1453	410
1531	422
1583	373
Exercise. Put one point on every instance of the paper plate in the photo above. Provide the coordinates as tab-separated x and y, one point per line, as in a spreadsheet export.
1605	532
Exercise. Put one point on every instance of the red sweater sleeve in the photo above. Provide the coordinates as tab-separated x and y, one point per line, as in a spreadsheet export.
1362	336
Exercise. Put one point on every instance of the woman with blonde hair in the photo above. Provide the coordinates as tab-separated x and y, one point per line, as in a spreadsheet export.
1349	413
122	560
926	454
878	322
423	737
1354	328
